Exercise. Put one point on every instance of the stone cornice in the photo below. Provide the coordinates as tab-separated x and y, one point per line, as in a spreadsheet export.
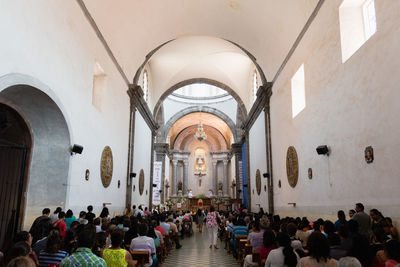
264	93
236	148
135	93
161	148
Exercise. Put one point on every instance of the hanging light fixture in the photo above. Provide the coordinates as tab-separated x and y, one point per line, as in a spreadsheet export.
200	134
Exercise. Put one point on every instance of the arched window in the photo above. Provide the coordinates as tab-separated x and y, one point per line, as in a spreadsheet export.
145	86
255	85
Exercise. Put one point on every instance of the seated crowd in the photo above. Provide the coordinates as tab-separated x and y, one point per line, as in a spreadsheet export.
140	237
267	240
135	238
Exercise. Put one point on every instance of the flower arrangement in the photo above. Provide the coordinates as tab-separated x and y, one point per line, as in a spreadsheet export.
218	201
201	196
182	200
169	203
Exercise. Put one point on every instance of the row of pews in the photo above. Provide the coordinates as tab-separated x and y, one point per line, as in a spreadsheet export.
244	248
141	257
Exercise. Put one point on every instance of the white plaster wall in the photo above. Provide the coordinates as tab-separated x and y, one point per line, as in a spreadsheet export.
348	107
172	107
53	43
258	160
141	160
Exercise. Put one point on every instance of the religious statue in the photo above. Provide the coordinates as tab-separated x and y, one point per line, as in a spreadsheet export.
200	163
190	194
180	186
220	185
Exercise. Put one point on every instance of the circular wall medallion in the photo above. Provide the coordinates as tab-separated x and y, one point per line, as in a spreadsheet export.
87	174
292	166
106	166
141	182
258	181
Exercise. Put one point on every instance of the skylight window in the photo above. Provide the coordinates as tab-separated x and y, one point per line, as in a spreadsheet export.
255	86
145	86
200	90
99	86
298	92
357	25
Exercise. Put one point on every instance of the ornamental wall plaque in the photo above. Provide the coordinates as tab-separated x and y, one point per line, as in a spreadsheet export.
106	166
369	154
258	182
141	182
292	166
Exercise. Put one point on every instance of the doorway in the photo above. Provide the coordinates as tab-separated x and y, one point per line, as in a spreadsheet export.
15	145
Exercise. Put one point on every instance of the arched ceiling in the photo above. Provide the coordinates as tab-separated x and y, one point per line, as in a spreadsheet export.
265	28
201	57
194	119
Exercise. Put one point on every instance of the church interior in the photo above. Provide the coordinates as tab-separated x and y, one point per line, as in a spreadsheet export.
283	106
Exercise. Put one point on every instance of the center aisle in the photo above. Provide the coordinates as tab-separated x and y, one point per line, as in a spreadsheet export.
195	252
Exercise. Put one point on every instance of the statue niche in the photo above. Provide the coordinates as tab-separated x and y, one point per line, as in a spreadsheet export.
200	163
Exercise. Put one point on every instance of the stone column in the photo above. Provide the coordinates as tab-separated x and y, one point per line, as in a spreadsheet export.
237	151
185	177
215	174
161	151
175	177
131	143
225	178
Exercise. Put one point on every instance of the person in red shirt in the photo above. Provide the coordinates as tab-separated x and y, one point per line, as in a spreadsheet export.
60	224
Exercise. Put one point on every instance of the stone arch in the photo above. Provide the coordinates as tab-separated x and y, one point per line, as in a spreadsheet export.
218	141
167	127
152	52
50	153
242	108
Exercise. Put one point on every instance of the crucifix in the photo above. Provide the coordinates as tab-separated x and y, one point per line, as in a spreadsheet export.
200	174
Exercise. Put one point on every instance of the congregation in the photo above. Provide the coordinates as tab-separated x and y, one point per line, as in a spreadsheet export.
253	239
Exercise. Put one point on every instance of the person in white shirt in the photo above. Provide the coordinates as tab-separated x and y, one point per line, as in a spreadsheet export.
143	242
284	255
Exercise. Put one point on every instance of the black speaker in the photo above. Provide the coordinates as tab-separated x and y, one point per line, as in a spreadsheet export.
77	149
132	175
266	175
245	185
154	185
323	150
160	191
240	191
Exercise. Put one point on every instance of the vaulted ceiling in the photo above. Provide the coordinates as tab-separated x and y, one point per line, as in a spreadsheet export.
265	28
194	119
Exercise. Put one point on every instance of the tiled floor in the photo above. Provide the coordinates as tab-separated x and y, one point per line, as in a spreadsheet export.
195	252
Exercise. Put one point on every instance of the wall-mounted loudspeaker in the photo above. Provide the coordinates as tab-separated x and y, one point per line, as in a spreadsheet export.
154	185
132	174
323	150
76	149
266	175
245	185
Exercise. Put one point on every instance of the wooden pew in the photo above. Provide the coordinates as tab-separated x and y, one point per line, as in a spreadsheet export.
141	256
241	250
256	257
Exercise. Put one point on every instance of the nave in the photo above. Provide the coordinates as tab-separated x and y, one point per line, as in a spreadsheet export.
195	252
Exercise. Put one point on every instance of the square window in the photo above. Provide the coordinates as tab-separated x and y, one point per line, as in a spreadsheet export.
298	92
357	24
